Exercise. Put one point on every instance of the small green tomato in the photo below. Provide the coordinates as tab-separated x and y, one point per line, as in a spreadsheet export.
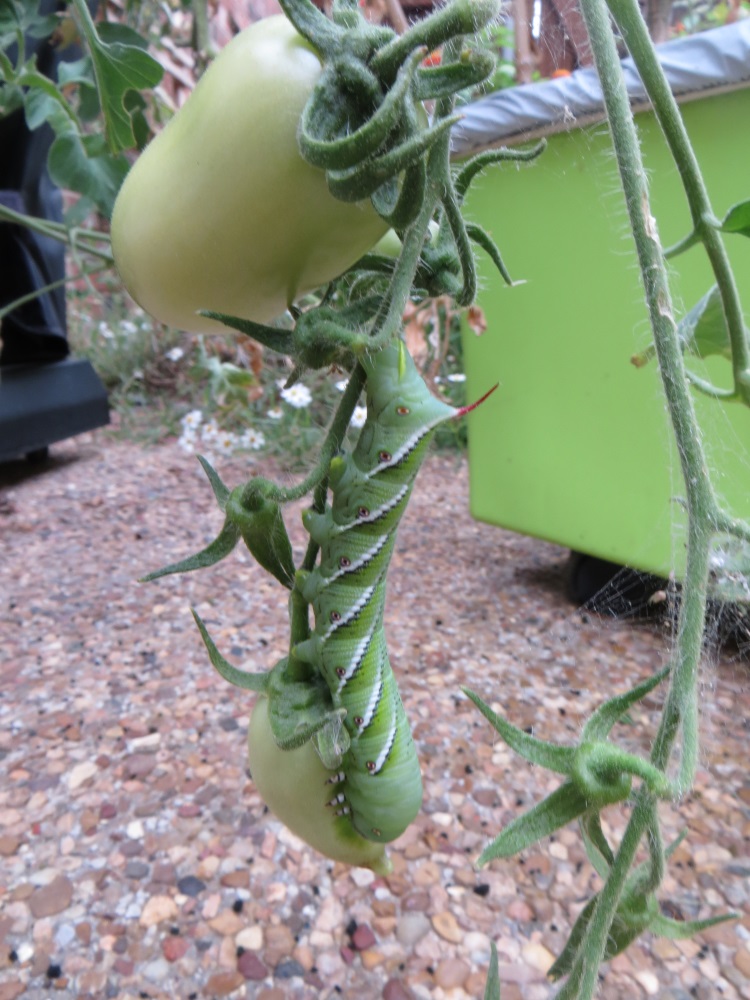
297	789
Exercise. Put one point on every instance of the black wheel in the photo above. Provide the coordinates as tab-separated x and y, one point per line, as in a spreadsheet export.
608	588
37	456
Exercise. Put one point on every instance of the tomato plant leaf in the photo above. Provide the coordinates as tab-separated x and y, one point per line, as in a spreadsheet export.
81	165
737	219
548	755
703	330
240	678
566	803
492	986
119	67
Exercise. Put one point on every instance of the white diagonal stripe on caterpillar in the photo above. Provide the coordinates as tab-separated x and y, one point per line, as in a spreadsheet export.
372	705
351	613
397	457
356	660
385	753
363	560
374	515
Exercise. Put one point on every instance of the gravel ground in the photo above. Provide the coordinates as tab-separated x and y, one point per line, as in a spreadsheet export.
136	859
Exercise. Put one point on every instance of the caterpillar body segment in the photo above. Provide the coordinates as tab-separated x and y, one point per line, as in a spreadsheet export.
381	786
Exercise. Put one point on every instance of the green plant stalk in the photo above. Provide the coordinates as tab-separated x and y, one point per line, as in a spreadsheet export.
681	709
57	231
583	981
635	34
332	443
45	289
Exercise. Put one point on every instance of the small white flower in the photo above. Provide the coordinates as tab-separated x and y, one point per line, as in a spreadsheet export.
128	327
186	441
275	413
297	395
176	354
105	332
252	440
456	377
192	421
137	375
359	416
342	384
226	442
210	431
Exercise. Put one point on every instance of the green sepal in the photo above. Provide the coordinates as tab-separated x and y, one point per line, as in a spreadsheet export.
676	930
634	915
483	239
401	211
272	337
297	710
473	167
565	804
363	180
240	678
219	549
564	963
604	773
547	755
221	492
435	82
354	147
492	986
313	25
259	521
462	17
598	851
600	724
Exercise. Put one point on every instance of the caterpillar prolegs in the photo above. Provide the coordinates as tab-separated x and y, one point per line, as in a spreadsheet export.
379	785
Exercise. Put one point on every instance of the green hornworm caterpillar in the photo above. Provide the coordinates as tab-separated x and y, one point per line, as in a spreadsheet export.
379	784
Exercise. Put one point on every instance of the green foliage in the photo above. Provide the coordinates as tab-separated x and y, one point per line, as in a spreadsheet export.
102	84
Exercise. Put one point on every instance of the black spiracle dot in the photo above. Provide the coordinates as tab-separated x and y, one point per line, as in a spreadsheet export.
358	720
402	410
363	512
344	561
370	765
385	456
335	616
340	671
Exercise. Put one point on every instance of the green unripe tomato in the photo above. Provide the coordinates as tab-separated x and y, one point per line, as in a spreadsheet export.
296	787
220	211
390	245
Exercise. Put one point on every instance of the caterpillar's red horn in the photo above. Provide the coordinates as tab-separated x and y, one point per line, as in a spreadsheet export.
472	406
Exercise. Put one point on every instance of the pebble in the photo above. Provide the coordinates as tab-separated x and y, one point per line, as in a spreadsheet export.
51	898
174	947
411	928
156	910
136	869
447	927
451	973
250	938
363	938
190	885
251	967
221	984
80	774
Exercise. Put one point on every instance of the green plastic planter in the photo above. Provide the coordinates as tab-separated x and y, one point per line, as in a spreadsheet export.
576	447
